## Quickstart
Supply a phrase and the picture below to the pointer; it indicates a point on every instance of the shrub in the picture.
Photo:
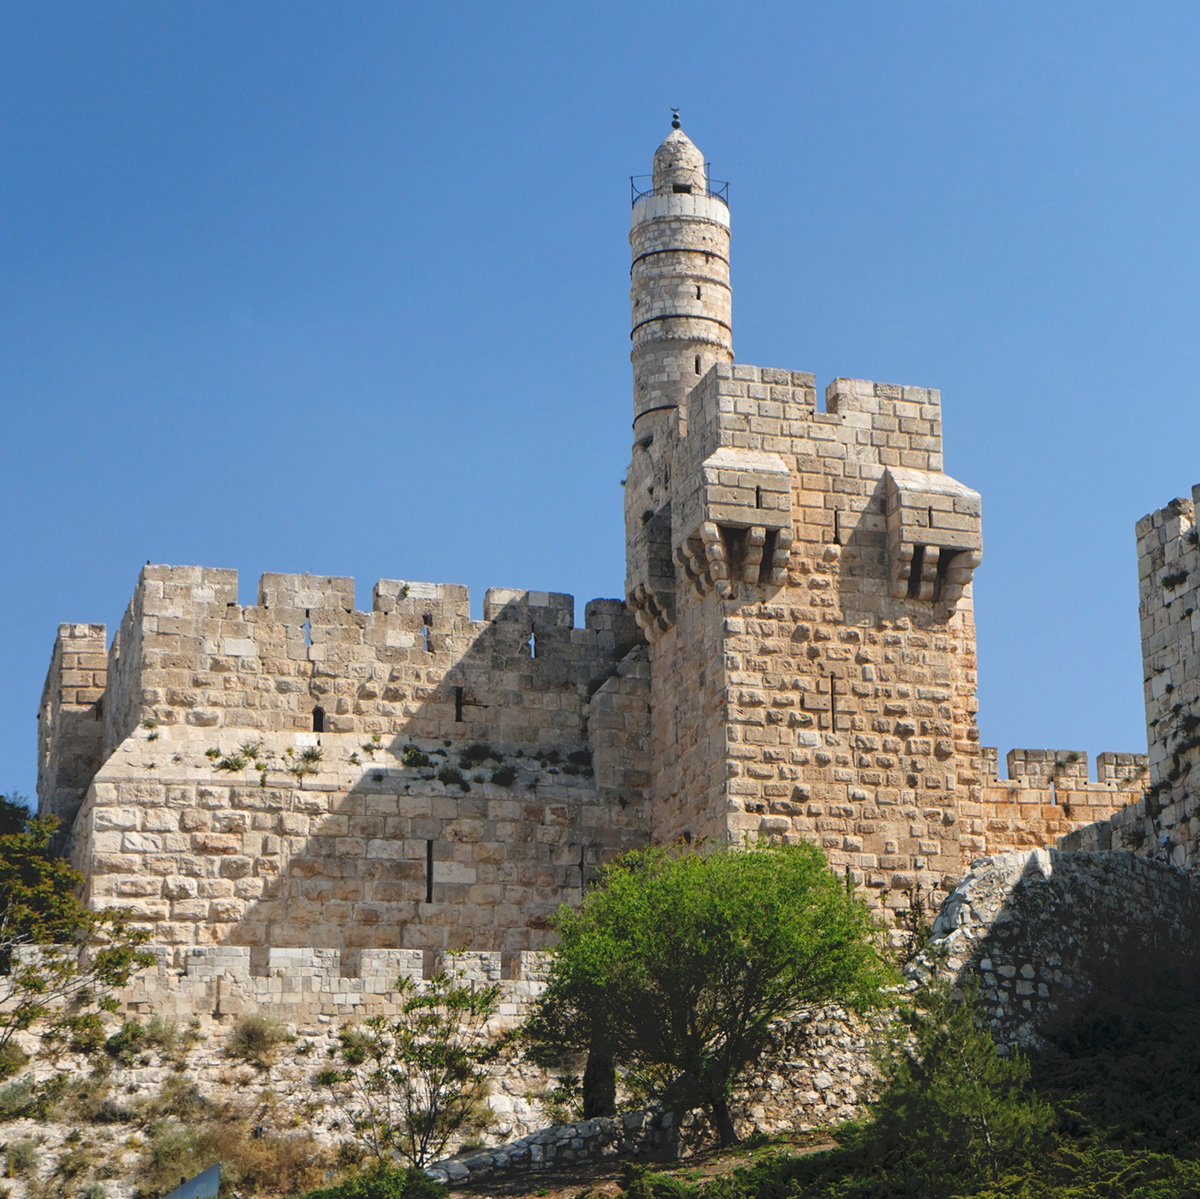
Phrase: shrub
(179, 1097)
(21, 1157)
(410, 755)
(477, 754)
(12, 1059)
(504, 776)
(453, 777)
(252, 1160)
(409, 1082)
(165, 1036)
(126, 1043)
(255, 1039)
(17, 1099)
(384, 1182)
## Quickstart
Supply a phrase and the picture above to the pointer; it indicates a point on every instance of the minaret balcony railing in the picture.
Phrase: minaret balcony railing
(716, 189)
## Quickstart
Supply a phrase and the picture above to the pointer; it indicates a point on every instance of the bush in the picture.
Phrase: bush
(477, 754)
(126, 1043)
(251, 1160)
(453, 777)
(12, 1059)
(21, 1157)
(409, 1082)
(256, 1038)
(179, 1097)
(384, 1182)
(504, 776)
(410, 755)
(17, 1099)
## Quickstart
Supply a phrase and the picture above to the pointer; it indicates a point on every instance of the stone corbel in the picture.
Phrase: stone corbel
(653, 617)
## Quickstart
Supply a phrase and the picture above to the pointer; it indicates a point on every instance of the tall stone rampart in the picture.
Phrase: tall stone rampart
(297, 772)
(71, 733)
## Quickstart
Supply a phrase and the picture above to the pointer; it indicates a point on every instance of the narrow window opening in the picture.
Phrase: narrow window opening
(945, 558)
(582, 875)
(768, 558)
(684, 189)
(429, 872)
(307, 629)
(758, 497)
(734, 541)
(697, 293)
(318, 719)
(833, 712)
(929, 510)
(533, 643)
(458, 703)
(425, 640)
(837, 527)
(697, 364)
(915, 570)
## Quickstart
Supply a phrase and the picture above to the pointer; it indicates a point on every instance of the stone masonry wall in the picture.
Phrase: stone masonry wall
(1043, 929)
(1048, 795)
(71, 719)
(1164, 823)
(815, 702)
(469, 777)
(816, 1070)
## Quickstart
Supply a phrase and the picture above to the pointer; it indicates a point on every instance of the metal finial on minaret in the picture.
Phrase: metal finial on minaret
(675, 119)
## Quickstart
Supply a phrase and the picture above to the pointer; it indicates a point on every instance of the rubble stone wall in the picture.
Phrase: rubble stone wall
(1042, 929)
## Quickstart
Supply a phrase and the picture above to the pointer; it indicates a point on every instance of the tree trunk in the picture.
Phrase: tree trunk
(724, 1122)
(599, 1085)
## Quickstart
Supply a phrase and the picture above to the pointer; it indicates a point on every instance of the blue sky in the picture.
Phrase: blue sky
(344, 288)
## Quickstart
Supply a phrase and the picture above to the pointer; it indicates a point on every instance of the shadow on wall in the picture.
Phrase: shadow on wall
(504, 788)
(1050, 934)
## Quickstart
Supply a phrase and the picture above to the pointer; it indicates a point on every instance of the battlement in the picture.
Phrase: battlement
(304, 659)
(307, 986)
(1048, 795)
(1063, 767)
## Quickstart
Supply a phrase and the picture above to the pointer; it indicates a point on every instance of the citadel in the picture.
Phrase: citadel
(298, 790)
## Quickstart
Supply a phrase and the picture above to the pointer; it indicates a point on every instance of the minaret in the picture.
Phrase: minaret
(680, 281)
(681, 327)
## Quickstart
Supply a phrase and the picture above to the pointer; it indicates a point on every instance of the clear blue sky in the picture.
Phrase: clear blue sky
(344, 288)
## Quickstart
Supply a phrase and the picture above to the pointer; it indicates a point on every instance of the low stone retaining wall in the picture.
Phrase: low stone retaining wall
(644, 1134)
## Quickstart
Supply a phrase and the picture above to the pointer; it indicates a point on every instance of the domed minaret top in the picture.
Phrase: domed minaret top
(679, 165)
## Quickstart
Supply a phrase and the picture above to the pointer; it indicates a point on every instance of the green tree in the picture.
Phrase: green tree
(677, 963)
(408, 1082)
(59, 960)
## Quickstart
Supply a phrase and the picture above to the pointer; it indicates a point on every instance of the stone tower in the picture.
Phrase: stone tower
(802, 575)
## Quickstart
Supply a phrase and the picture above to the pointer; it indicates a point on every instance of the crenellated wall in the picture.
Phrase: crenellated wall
(300, 773)
(1048, 795)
